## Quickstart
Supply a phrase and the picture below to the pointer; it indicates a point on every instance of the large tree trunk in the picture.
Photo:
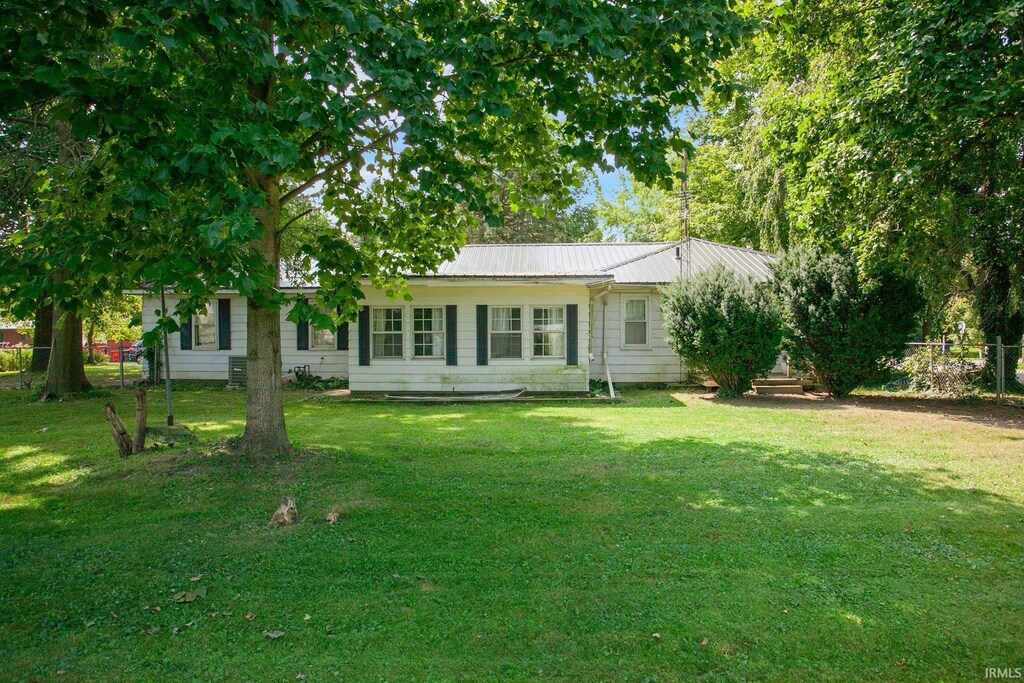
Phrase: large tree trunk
(42, 337)
(265, 434)
(66, 371)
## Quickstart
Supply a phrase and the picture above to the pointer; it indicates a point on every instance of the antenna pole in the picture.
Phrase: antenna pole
(684, 211)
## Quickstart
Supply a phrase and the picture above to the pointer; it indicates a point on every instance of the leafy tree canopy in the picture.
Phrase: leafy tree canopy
(212, 118)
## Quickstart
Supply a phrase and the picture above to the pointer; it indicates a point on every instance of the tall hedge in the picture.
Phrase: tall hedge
(842, 325)
(724, 326)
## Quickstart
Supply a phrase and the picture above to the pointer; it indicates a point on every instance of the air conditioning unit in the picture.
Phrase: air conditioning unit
(238, 367)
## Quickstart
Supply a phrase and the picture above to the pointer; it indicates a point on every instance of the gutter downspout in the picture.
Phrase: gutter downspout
(604, 338)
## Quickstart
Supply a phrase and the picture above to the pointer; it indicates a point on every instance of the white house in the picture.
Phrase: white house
(547, 317)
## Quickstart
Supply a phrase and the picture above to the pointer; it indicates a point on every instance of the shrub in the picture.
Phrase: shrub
(843, 327)
(96, 358)
(931, 372)
(9, 359)
(723, 326)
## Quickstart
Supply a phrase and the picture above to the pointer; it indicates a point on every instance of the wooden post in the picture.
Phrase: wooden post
(21, 378)
(140, 420)
(121, 436)
(120, 360)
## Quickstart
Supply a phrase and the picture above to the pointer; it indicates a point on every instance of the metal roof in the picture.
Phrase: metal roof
(626, 262)
(542, 260)
(662, 266)
(652, 263)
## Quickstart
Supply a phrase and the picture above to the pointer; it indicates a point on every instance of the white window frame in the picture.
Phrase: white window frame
(491, 332)
(374, 333)
(437, 334)
(212, 313)
(534, 331)
(313, 346)
(626, 298)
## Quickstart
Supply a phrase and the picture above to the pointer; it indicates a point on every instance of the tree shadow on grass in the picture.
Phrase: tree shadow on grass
(506, 541)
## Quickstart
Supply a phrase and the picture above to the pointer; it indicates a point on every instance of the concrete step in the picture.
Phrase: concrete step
(775, 389)
(778, 381)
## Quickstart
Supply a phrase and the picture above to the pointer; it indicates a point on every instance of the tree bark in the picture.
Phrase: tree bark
(121, 436)
(91, 342)
(42, 338)
(141, 414)
(65, 373)
(265, 435)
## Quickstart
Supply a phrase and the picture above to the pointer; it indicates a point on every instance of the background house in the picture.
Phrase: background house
(547, 317)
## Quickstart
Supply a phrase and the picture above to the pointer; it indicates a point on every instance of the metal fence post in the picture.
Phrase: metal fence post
(21, 378)
(931, 366)
(120, 360)
(1000, 379)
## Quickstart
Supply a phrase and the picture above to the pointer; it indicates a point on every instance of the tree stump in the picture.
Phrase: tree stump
(140, 421)
(121, 436)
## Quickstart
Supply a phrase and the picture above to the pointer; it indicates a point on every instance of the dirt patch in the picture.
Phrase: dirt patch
(984, 412)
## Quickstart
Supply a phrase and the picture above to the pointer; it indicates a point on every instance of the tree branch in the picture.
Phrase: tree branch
(317, 177)
(295, 218)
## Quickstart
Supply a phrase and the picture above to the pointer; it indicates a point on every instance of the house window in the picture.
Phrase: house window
(549, 332)
(506, 332)
(386, 332)
(204, 327)
(322, 338)
(427, 332)
(635, 322)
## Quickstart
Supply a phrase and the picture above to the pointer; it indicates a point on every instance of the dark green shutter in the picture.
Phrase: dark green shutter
(364, 336)
(302, 334)
(572, 335)
(186, 334)
(343, 337)
(451, 339)
(481, 335)
(224, 324)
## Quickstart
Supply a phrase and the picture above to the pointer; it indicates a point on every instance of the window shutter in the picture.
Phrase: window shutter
(342, 337)
(302, 334)
(451, 338)
(481, 334)
(186, 334)
(224, 324)
(364, 336)
(572, 335)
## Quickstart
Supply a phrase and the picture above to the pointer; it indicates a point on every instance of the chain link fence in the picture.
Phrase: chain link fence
(958, 368)
(19, 357)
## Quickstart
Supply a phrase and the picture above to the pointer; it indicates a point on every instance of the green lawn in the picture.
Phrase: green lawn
(99, 375)
(761, 539)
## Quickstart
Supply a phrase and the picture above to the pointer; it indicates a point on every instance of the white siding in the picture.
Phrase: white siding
(213, 364)
(420, 374)
(653, 363)
(209, 364)
(322, 362)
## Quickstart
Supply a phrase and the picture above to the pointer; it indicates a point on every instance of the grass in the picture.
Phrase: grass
(761, 539)
(99, 375)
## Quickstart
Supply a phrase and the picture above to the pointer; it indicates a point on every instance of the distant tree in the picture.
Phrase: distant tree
(724, 326)
(639, 212)
(116, 317)
(840, 325)
(27, 147)
(892, 128)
